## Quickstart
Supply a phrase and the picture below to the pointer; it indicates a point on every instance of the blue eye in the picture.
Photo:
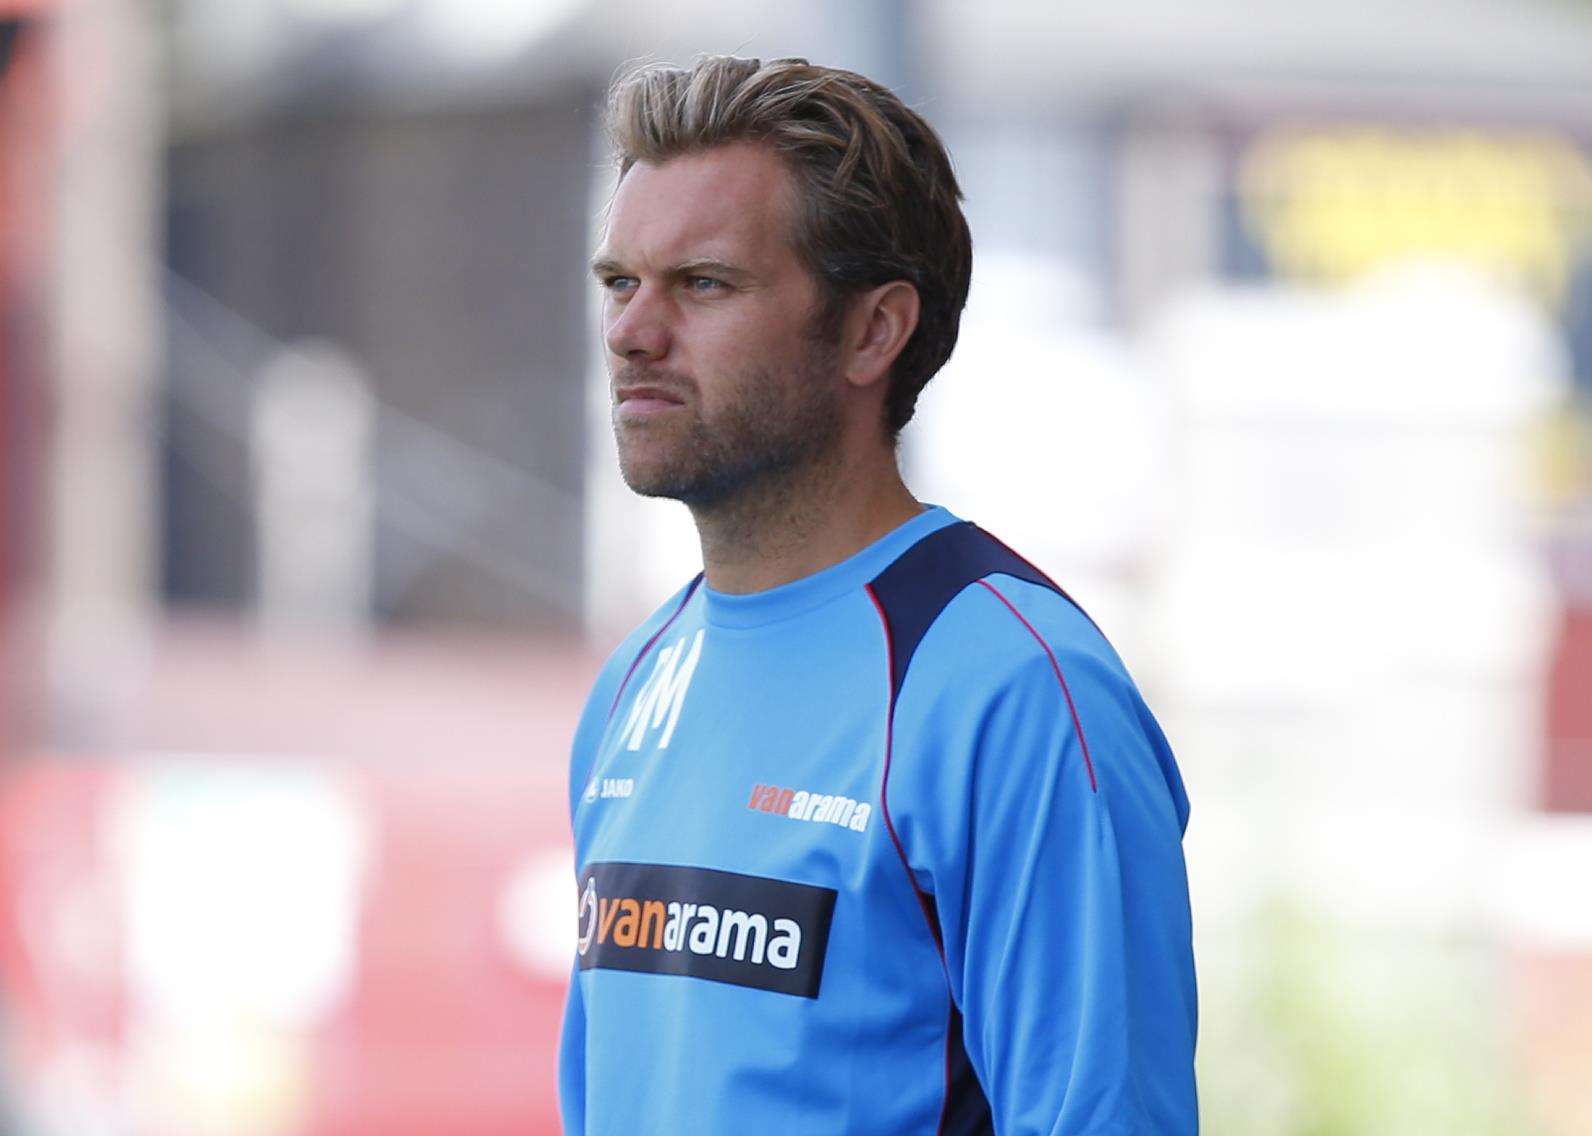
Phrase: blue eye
(704, 284)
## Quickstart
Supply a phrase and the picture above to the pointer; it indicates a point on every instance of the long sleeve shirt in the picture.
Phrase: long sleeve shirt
(892, 848)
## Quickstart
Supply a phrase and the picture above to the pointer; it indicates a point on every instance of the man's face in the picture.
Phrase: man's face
(717, 382)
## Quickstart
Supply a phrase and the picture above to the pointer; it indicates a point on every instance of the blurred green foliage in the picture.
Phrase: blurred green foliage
(1310, 1028)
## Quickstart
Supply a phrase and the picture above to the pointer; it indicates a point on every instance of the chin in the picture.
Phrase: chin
(650, 480)
(672, 485)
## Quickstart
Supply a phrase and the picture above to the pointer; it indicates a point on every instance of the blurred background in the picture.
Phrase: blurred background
(1278, 357)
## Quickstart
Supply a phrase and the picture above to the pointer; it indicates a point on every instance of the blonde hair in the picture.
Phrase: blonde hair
(879, 201)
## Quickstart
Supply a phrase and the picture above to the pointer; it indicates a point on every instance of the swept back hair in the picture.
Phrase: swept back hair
(878, 200)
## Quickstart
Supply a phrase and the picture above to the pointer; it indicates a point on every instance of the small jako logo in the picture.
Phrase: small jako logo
(606, 787)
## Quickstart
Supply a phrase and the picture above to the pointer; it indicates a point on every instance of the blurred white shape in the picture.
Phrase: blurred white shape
(536, 915)
(1541, 883)
(1380, 863)
(1351, 470)
(312, 427)
(1033, 294)
(486, 31)
(1425, 343)
(1349, 591)
(1044, 432)
(242, 887)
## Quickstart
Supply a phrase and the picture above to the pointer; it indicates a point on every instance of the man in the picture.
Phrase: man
(873, 832)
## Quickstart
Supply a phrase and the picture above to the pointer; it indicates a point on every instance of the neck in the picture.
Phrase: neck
(771, 534)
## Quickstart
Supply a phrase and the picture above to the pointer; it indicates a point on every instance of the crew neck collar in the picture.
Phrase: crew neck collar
(753, 609)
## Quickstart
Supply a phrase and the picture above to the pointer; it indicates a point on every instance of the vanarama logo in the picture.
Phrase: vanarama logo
(702, 923)
(819, 808)
(659, 702)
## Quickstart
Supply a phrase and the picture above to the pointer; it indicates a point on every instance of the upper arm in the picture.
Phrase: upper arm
(1037, 813)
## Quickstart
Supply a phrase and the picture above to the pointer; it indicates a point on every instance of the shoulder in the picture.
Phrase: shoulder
(1026, 677)
(1001, 638)
(962, 605)
(997, 673)
(1011, 672)
(1012, 630)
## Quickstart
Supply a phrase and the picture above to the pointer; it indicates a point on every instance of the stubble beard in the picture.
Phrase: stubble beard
(779, 431)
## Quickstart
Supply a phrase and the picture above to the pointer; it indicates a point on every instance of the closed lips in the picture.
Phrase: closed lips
(629, 393)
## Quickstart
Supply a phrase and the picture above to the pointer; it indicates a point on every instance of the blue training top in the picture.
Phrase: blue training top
(893, 848)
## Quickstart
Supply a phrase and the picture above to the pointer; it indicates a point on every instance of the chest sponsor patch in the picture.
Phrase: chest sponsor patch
(702, 923)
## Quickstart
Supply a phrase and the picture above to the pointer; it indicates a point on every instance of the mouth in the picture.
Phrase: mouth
(647, 396)
(641, 403)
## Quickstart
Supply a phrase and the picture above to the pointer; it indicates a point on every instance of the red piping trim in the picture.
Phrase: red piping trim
(647, 646)
(1021, 557)
(889, 824)
(1055, 666)
(1043, 576)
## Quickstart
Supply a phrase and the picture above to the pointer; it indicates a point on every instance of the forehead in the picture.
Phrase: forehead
(730, 202)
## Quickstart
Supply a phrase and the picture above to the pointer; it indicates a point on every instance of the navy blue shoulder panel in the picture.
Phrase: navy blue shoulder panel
(911, 594)
(917, 586)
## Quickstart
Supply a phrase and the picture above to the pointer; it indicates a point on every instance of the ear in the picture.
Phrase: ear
(878, 326)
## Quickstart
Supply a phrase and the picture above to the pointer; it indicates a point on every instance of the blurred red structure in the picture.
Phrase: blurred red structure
(445, 1022)
(1568, 775)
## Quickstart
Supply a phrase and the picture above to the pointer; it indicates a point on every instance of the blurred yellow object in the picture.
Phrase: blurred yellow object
(233, 1076)
(1561, 455)
(1328, 204)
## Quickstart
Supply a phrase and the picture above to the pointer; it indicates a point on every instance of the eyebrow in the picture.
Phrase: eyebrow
(697, 266)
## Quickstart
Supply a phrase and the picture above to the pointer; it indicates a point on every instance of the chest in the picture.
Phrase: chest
(760, 754)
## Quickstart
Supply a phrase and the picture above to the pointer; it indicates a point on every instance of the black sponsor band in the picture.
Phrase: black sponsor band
(724, 926)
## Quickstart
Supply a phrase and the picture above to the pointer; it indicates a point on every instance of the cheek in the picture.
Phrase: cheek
(753, 344)
(725, 352)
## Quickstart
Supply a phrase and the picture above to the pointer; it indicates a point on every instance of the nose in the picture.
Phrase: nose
(638, 328)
